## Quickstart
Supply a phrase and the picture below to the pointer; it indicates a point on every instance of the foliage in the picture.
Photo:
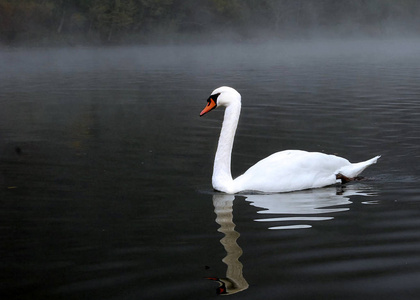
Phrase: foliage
(113, 21)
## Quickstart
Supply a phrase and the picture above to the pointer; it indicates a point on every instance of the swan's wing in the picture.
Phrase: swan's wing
(291, 170)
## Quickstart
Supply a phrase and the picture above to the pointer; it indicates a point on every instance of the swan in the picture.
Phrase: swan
(284, 171)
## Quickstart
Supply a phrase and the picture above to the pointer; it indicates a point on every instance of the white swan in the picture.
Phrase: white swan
(284, 171)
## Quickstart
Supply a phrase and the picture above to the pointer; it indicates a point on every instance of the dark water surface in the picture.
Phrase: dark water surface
(105, 172)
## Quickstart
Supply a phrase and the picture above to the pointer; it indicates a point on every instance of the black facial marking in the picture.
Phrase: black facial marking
(214, 97)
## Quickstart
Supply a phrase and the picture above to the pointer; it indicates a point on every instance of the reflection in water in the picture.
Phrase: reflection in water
(303, 203)
(234, 281)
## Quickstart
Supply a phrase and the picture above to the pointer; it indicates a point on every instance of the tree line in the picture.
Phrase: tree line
(142, 21)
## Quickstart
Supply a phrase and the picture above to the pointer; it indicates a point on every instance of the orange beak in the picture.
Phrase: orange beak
(211, 104)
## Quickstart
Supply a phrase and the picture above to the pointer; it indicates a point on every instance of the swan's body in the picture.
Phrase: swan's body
(284, 171)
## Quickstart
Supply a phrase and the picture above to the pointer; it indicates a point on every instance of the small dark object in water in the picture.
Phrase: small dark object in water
(18, 150)
(345, 179)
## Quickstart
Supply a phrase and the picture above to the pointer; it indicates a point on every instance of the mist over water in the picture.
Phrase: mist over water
(73, 22)
(105, 171)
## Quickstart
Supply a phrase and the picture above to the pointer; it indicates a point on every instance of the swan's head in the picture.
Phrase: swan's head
(222, 96)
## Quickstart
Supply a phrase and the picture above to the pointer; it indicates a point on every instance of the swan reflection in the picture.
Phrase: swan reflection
(234, 281)
(303, 205)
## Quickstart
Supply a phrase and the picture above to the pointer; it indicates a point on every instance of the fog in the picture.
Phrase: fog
(75, 23)
(23, 62)
(54, 36)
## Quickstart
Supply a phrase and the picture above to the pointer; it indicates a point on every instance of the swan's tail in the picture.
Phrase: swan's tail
(352, 170)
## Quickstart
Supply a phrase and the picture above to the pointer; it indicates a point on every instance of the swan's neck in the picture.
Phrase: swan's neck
(222, 176)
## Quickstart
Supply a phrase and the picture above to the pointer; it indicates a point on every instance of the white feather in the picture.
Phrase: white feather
(284, 171)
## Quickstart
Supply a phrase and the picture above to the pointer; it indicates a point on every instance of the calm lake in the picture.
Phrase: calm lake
(105, 172)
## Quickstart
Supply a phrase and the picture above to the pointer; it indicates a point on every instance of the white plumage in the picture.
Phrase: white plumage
(284, 171)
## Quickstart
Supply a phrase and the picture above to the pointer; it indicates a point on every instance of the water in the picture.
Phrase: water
(105, 172)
